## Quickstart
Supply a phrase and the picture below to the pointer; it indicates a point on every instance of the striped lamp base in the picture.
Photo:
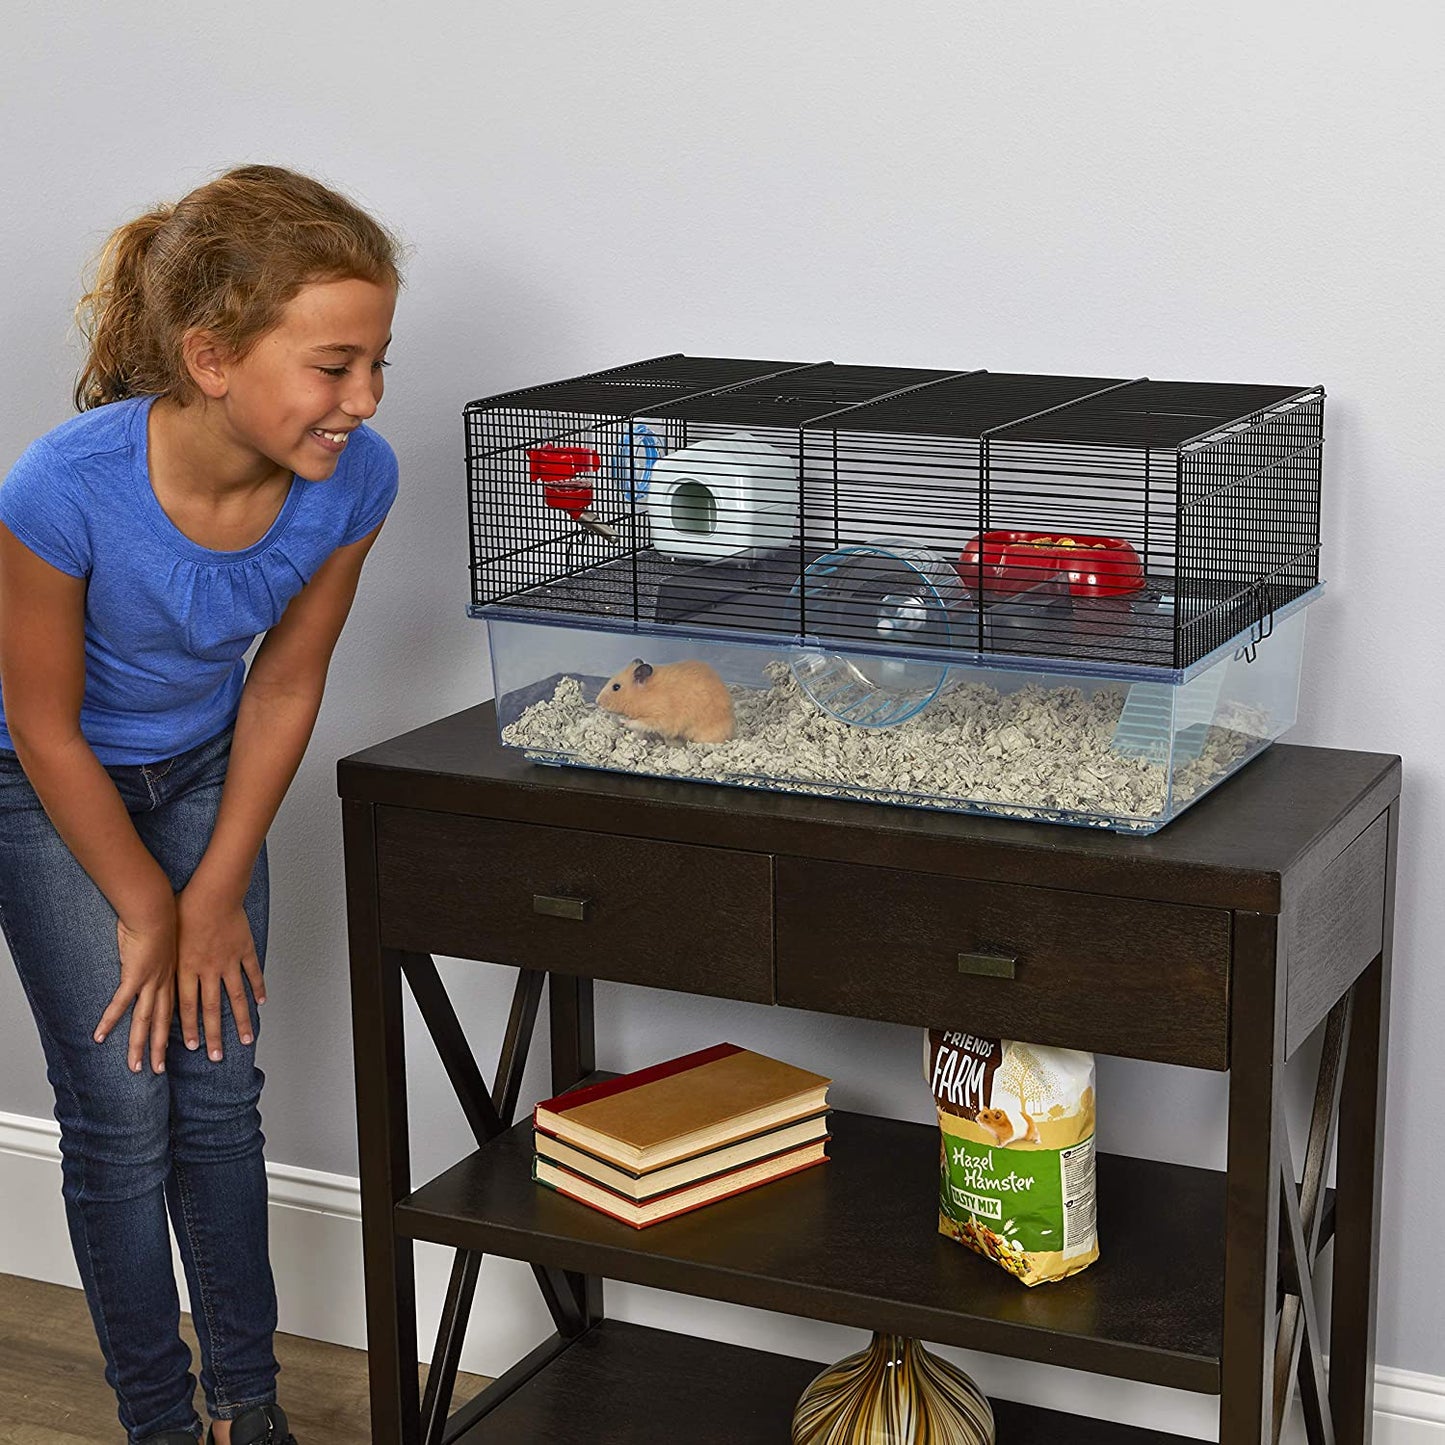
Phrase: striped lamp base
(892, 1393)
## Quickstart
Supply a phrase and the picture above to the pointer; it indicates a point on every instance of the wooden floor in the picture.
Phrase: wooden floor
(53, 1391)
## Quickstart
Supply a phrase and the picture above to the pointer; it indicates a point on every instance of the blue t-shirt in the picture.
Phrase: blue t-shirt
(168, 622)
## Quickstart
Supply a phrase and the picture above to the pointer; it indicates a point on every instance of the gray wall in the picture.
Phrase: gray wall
(1232, 191)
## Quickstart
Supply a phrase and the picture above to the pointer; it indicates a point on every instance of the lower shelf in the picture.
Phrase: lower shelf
(622, 1384)
(856, 1242)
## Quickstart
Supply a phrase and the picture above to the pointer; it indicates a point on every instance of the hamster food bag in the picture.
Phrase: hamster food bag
(1016, 1156)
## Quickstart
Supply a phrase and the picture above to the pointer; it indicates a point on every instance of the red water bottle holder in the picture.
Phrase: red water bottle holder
(565, 474)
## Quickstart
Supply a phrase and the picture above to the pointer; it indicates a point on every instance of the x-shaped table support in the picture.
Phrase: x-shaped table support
(488, 1113)
(1300, 1343)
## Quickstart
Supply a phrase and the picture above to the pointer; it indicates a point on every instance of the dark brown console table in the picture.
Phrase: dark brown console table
(1223, 942)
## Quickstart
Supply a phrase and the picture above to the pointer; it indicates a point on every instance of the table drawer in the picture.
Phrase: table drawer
(1113, 975)
(669, 915)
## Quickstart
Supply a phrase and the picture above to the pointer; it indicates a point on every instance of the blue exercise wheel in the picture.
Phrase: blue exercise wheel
(894, 596)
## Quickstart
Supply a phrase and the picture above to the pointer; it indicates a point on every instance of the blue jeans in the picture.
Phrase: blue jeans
(134, 1146)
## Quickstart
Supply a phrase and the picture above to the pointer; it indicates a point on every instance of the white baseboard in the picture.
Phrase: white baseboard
(316, 1255)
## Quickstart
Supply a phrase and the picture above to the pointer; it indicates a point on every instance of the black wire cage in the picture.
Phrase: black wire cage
(1095, 520)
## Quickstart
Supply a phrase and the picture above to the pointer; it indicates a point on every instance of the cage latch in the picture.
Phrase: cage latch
(1263, 624)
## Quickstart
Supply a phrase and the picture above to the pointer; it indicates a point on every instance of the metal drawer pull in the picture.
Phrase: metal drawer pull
(988, 965)
(573, 908)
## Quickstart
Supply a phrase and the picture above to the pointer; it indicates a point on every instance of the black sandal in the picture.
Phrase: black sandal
(260, 1425)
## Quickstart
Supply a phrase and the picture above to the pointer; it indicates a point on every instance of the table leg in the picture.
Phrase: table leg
(574, 1056)
(1251, 1248)
(1357, 1188)
(383, 1143)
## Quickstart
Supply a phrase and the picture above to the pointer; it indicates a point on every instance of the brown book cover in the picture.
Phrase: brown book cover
(685, 1106)
(679, 1201)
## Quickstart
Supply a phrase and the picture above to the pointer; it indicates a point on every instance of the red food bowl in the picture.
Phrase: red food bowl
(1011, 562)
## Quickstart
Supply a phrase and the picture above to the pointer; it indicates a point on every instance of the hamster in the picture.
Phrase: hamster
(1007, 1129)
(685, 700)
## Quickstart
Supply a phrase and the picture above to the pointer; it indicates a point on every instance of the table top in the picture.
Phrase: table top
(1270, 828)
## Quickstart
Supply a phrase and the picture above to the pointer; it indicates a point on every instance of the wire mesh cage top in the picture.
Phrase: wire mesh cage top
(1093, 519)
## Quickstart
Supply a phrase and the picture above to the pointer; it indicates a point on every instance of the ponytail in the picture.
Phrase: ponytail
(112, 316)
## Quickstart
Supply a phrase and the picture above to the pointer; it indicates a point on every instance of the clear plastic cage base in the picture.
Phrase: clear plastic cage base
(1121, 748)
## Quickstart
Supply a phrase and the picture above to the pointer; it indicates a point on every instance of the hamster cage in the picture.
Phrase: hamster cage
(1073, 599)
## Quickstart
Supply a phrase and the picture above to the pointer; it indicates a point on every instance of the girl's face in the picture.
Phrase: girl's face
(314, 377)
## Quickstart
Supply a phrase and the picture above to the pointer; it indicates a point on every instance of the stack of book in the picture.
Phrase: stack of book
(653, 1144)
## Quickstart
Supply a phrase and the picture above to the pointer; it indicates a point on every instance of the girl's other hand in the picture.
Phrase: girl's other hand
(147, 980)
(215, 952)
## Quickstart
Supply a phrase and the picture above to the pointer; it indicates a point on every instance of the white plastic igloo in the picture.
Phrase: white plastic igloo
(723, 496)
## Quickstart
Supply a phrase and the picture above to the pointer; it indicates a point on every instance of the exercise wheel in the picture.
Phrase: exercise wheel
(891, 594)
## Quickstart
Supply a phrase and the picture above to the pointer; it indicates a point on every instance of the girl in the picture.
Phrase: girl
(218, 484)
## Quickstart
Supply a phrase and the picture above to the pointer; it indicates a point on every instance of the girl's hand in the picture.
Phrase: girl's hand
(215, 952)
(147, 979)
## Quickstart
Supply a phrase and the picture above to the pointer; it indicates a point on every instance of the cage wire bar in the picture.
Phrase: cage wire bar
(793, 500)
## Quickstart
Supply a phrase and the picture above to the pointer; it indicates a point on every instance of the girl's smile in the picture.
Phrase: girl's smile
(332, 441)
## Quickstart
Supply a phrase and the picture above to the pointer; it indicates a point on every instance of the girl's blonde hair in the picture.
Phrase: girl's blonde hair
(227, 258)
